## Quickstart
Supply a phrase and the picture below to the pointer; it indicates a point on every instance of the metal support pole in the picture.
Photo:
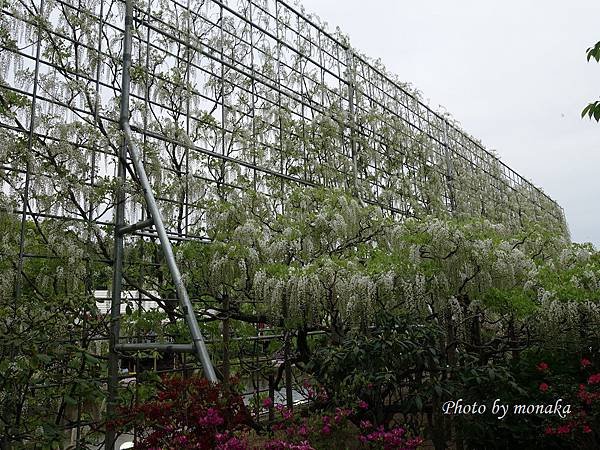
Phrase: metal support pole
(287, 348)
(449, 169)
(130, 146)
(352, 119)
(115, 306)
(30, 138)
(188, 310)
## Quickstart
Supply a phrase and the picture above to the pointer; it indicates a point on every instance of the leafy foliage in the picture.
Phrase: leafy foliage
(361, 367)
(592, 110)
(50, 364)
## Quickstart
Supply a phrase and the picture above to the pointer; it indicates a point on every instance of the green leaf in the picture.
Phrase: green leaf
(419, 403)
(70, 400)
(594, 52)
(90, 359)
(592, 111)
(586, 110)
(45, 359)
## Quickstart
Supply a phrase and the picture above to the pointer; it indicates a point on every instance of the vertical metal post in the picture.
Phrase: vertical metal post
(253, 94)
(188, 69)
(5, 441)
(89, 281)
(352, 121)
(272, 397)
(286, 334)
(115, 305)
(32, 120)
(303, 101)
(279, 107)
(129, 146)
(223, 175)
(225, 297)
(449, 169)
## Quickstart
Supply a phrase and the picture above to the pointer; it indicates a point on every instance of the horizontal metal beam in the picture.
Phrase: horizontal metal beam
(136, 226)
(158, 346)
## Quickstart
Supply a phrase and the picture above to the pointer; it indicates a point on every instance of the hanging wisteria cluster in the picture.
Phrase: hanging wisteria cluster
(330, 261)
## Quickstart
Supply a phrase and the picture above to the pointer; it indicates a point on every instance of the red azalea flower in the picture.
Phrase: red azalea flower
(594, 379)
(542, 366)
(544, 387)
(585, 363)
(587, 429)
(549, 430)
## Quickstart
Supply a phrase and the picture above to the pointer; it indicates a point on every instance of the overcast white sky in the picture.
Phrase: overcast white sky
(512, 72)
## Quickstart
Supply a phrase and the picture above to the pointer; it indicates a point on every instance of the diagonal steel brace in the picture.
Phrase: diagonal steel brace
(188, 311)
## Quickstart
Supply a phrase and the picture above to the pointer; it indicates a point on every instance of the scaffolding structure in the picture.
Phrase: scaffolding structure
(224, 96)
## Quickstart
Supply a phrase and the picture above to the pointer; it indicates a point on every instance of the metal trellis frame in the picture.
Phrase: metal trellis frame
(215, 97)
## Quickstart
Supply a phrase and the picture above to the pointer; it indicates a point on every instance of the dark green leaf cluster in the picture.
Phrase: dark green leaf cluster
(592, 110)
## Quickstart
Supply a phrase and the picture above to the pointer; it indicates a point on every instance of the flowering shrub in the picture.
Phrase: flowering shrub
(191, 413)
(581, 428)
(340, 427)
(392, 439)
(188, 413)
(334, 429)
